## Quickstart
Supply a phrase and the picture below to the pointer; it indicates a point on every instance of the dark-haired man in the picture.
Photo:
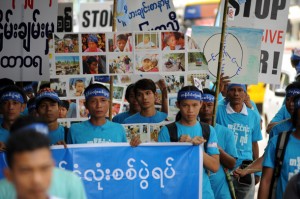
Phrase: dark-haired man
(98, 129)
(145, 93)
(13, 103)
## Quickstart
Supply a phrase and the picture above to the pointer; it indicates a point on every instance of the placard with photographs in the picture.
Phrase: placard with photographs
(76, 60)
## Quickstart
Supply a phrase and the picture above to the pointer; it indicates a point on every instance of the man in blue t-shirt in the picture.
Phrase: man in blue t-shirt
(47, 106)
(145, 93)
(290, 162)
(98, 129)
(13, 103)
(245, 124)
(227, 150)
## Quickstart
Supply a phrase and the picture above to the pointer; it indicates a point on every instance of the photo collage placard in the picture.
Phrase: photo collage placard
(76, 60)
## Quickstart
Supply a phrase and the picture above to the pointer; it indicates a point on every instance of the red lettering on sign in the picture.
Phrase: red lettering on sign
(272, 36)
(28, 3)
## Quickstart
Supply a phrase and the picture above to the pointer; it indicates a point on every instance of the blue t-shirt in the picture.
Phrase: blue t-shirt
(282, 114)
(218, 180)
(119, 118)
(86, 132)
(138, 118)
(4, 134)
(57, 135)
(212, 148)
(246, 129)
(290, 164)
(282, 126)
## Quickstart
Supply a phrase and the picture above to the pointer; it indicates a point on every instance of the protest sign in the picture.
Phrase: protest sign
(142, 172)
(272, 17)
(241, 52)
(128, 56)
(96, 17)
(146, 15)
(65, 17)
(23, 40)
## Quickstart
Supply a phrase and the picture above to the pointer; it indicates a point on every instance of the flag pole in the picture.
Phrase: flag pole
(220, 60)
(111, 78)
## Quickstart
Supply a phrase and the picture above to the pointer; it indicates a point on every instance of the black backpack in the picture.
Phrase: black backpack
(281, 144)
(172, 128)
(66, 129)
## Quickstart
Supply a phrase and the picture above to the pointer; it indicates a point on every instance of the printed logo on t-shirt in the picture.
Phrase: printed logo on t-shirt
(237, 129)
(294, 162)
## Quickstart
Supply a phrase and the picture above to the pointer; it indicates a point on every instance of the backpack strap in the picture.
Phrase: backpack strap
(66, 131)
(172, 128)
(205, 133)
(281, 144)
(298, 184)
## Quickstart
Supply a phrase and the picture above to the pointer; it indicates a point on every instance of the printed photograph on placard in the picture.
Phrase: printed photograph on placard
(146, 41)
(120, 42)
(172, 41)
(125, 107)
(59, 85)
(120, 64)
(173, 62)
(116, 109)
(191, 44)
(67, 109)
(83, 111)
(173, 110)
(154, 131)
(197, 61)
(147, 62)
(67, 65)
(77, 85)
(125, 79)
(64, 123)
(66, 43)
(94, 64)
(174, 83)
(118, 92)
(93, 42)
(136, 130)
(200, 80)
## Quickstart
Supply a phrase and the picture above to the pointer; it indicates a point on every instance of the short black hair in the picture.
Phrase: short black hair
(91, 59)
(295, 114)
(145, 84)
(25, 142)
(79, 81)
(5, 82)
(25, 121)
(121, 37)
(65, 103)
(293, 85)
(95, 85)
(129, 88)
(14, 88)
(208, 91)
(45, 85)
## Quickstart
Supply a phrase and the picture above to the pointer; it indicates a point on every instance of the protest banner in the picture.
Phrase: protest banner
(65, 17)
(25, 26)
(146, 15)
(241, 52)
(272, 17)
(95, 17)
(141, 172)
(128, 56)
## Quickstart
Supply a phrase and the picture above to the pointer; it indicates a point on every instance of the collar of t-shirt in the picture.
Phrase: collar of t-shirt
(230, 110)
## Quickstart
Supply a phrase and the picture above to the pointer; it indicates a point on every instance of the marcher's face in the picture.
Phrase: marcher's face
(145, 98)
(92, 46)
(189, 109)
(133, 102)
(62, 112)
(93, 67)
(31, 173)
(97, 106)
(121, 44)
(236, 95)
(289, 103)
(206, 111)
(49, 110)
(12, 109)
